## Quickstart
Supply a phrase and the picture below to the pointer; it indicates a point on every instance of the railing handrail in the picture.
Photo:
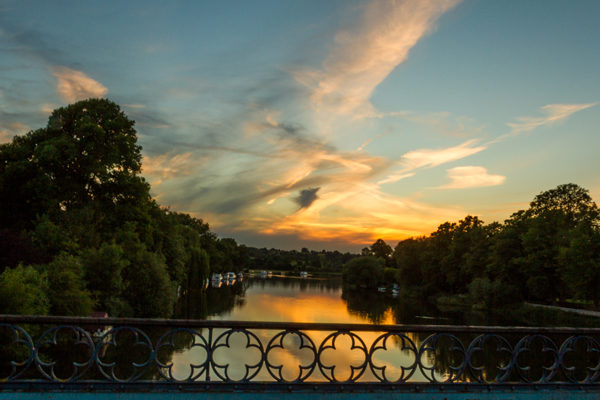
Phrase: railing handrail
(310, 326)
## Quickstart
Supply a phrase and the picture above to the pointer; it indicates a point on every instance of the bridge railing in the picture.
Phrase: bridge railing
(48, 350)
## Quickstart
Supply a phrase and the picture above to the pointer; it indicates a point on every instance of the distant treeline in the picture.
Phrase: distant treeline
(548, 253)
(296, 261)
(79, 230)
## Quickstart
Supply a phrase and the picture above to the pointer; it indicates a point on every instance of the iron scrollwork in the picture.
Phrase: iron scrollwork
(62, 350)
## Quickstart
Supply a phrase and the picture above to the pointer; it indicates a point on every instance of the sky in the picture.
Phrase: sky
(325, 124)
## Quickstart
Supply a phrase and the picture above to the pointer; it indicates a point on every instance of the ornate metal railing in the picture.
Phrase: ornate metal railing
(100, 351)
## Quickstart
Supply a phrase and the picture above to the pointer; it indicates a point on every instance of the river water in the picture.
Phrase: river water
(293, 299)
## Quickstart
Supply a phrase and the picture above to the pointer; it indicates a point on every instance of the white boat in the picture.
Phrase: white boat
(303, 274)
(381, 289)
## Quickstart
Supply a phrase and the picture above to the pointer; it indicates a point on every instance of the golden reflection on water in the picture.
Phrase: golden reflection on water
(300, 301)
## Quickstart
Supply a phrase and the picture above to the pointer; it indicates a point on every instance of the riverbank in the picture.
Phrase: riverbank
(579, 311)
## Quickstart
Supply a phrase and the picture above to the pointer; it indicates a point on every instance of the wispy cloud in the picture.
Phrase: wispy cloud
(429, 158)
(434, 157)
(75, 85)
(364, 56)
(553, 114)
(471, 177)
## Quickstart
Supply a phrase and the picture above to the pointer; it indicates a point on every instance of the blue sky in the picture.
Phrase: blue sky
(325, 124)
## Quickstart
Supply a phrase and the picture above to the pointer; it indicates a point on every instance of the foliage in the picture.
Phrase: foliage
(75, 204)
(296, 261)
(24, 290)
(103, 269)
(548, 253)
(66, 287)
(365, 272)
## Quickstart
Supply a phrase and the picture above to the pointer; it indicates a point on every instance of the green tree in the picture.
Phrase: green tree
(66, 287)
(198, 268)
(580, 263)
(103, 269)
(365, 271)
(381, 249)
(24, 291)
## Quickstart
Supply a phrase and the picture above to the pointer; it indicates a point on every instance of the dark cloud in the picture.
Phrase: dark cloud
(32, 44)
(307, 197)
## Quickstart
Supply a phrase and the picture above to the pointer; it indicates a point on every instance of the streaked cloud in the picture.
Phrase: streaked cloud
(396, 177)
(75, 85)
(434, 157)
(429, 158)
(471, 177)
(364, 56)
(553, 114)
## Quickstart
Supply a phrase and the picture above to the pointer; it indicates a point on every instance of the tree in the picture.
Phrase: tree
(580, 263)
(66, 287)
(366, 271)
(103, 269)
(87, 153)
(198, 269)
(24, 291)
(381, 249)
(570, 200)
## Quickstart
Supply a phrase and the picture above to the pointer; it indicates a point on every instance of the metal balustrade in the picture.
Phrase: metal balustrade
(36, 350)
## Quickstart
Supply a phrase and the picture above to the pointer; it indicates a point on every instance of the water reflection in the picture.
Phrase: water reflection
(344, 356)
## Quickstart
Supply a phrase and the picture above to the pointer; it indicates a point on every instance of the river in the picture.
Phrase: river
(294, 299)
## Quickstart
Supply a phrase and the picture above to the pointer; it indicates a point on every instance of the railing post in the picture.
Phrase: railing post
(209, 353)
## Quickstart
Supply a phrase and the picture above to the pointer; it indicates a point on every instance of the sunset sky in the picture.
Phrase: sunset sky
(325, 124)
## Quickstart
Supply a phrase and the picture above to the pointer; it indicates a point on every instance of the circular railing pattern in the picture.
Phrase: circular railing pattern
(122, 354)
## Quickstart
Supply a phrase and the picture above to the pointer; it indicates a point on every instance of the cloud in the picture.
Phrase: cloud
(169, 165)
(75, 85)
(471, 177)
(363, 57)
(359, 216)
(395, 177)
(307, 197)
(8, 131)
(429, 158)
(554, 113)
(434, 157)
(31, 44)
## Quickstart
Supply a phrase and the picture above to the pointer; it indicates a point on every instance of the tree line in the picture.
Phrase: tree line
(548, 253)
(295, 261)
(79, 230)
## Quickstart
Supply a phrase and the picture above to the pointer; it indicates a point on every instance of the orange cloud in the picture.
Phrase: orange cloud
(166, 166)
(8, 131)
(75, 85)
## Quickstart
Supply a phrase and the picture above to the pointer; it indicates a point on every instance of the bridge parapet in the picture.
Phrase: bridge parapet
(183, 355)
